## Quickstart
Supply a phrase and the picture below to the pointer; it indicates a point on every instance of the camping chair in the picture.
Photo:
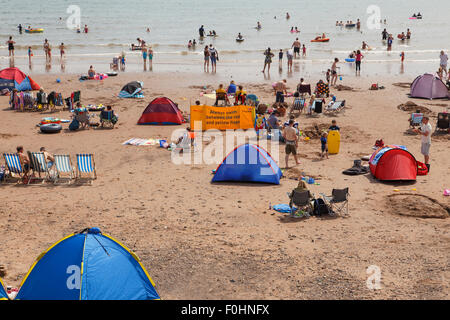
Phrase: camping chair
(336, 106)
(86, 165)
(39, 165)
(252, 100)
(416, 119)
(106, 118)
(302, 199)
(13, 166)
(222, 96)
(63, 167)
(338, 201)
(443, 121)
(74, 98)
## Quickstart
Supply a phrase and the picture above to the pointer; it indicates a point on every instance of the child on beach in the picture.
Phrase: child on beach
(323, 141)
(30, 54)
(304, 51)
(402, 56)
(280, 57)
(328, 75)
(61, 50)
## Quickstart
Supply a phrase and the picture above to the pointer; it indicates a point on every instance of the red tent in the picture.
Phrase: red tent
(161, 111)
(393, 163)
(13, 78)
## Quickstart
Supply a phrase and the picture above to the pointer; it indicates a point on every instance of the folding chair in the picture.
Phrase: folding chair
(338, 201)
(13, 166)
(416, 119)
(298, 105)
(86, 165)
(302, 199)
(335, 106)
(221, 96)
(39, 165)
(64, 168)
(106, 118)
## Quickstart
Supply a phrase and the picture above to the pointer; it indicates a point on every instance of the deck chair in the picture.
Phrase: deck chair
(298, 105)
(115, 64)
(14, 167)
(338, 201)
(335, 106)
(86, 167)
(39, 166)
(301, 199)
(106, 118)
(443, 121)
(64, 168)
(416, 119)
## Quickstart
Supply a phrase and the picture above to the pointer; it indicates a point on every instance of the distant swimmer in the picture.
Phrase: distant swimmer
(86, 30)
(408, 34)
(258, 25)
(287, 15)
(190, 44)
(296, 30)
(358, 24)
(364, 45)
(384, 34)
(148, 29)
(20, 28)
(240, 36)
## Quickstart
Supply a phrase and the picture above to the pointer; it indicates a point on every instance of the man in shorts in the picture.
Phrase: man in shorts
(214, 56)
(296, 46)
(443, 63)
(290, 135)
(280, 90)
(425, 132)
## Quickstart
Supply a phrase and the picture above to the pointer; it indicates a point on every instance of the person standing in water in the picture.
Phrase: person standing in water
(268, 59)
(201, 32)
(296, 46)
(144, 55)
(334, 72)
(304, 51)
(288, 16)
(389, 43)
(358, 59)
(150, 58)
(10, 44)
(206, 59)
(62, 50)
(46, 47)
(384, 34)
(20, 28)
(86, 30)
(358, 25)
(214, 56)
(30, 54)
(280, 58)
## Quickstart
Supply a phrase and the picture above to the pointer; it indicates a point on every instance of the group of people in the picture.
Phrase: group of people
(236, 91)
(25, 161)
(210, 54)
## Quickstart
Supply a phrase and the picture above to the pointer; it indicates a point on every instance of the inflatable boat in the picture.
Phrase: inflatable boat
(239, 40)
(350, 25)
(321, 40)
(37, 30)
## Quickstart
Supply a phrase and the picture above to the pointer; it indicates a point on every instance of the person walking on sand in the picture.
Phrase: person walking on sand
(10, 44)
(206, 59)
(443, 61)
(358, 59)
(425, 133)
(291, 138)
(334, 72)
(268, 59)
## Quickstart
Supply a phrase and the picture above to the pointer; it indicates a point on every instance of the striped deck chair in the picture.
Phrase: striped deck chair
(335, 106)
(86, 166)
(64, 168)
(13, 166)
(39, 165)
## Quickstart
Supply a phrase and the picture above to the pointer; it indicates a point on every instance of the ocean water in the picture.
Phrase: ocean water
(114, 25)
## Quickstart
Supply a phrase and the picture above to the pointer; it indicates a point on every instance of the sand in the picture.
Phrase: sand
(220, 241)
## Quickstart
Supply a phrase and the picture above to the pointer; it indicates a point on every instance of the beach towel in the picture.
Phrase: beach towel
(284, 208)
(141, 142)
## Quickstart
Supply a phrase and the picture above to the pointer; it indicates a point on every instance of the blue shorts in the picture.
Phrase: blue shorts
(213, 59)
(144, 55)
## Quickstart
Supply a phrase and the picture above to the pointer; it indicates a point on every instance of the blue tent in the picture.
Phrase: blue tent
(132, 90)
(3, 294)
(248, 163)
(88, 265)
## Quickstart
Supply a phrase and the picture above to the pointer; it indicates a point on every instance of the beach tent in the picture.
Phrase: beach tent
(161, 111)
(248, 163)
(13, 78)
(88, 265)
(428, 86)
(132, 90)
(3, 294)
(393, 163)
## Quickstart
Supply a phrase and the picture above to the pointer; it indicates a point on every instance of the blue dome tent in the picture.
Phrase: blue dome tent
(248, 163)
(3, 294)
(88, 265)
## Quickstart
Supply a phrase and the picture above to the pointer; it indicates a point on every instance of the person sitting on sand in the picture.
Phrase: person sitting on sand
(240, 96)
(91, 72)
(272, 121)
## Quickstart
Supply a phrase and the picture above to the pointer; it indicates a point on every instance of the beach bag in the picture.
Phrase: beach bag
(74, 125)
(320, 207)
(422, 169)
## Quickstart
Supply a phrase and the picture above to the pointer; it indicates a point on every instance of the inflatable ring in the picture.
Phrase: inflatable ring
(51, 128)
(350, 59)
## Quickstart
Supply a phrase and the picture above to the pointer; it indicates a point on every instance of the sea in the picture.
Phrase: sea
(115, 24)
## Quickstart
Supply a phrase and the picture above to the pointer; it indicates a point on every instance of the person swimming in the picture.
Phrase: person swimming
(239, 36)
(258, 25)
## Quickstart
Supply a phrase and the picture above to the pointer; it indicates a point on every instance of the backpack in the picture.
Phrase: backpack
(320, 207)
(74, 125)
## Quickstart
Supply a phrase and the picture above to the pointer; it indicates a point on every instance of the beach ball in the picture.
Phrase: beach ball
(58, 80)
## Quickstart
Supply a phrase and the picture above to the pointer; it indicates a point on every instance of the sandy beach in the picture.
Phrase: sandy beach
(221, 241)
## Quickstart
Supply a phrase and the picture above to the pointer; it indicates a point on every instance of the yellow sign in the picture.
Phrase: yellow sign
(223, 118)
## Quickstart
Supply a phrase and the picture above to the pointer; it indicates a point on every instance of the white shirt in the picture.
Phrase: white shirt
(426, 128)
(444, 59)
